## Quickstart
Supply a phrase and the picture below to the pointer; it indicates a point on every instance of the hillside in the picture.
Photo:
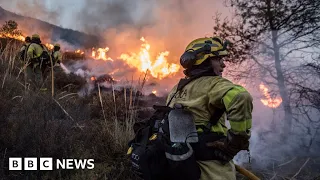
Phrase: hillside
(49, 31)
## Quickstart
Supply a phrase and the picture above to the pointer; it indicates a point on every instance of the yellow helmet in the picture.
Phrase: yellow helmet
(201, 49)
(57, 45)
(36, 36)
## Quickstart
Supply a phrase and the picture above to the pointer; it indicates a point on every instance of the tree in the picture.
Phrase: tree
(277, 35)
(307, 100)
(10, 29)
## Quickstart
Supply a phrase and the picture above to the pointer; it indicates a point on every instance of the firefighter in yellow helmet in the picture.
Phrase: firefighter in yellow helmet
(37, 60)
(211, 99)
(56, 54)
(56, 57)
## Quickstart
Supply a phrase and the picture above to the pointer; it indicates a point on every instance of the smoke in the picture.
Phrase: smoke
(96, 16)
(170, 23)
(122, 73)
(31, 8)
(167, 25)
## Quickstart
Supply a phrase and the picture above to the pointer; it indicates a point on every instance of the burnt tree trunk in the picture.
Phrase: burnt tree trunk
(281, 84)
(278, 67)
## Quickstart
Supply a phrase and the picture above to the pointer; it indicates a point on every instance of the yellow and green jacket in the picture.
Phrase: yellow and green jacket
(207, 94)
(57, 57)
(35, 50)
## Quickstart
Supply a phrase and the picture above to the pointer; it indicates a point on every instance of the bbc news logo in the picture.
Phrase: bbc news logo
(47, 164)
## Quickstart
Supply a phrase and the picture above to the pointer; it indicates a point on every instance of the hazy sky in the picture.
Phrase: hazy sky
(93, 15)
(59, 12)
(166, 24)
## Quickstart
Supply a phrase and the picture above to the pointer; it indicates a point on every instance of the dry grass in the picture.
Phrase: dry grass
(97, 126)
(33, 124)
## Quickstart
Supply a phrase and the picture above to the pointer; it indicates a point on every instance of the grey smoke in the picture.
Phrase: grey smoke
(96, 16)
(170, 24)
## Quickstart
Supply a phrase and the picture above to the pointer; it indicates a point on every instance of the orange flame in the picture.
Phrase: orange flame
(268, 101)
(93, 78)
(49, 46)
(79, 51)
(159, 68)
(101, 54)
(93, 53)
(18, 37)
(22, 38)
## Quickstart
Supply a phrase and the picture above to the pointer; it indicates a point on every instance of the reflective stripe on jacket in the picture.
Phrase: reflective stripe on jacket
(205, 95)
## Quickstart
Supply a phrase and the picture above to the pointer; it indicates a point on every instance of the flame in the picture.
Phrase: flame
(93, 78)
(49, 46)
(159, 68)
(101, 54)
(93, 53)
(18, 37)
(22, 38)
(79, 51)
(268, 101)
(154, 92)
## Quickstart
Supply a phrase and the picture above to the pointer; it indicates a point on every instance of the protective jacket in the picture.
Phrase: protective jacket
(35, 50)
(57, 57)
(38, 55)
(206, 96)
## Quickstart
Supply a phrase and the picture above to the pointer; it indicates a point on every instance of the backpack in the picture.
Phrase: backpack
(153, 156)
(44, 58)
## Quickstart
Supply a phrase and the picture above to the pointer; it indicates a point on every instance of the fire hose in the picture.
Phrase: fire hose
(246, 173)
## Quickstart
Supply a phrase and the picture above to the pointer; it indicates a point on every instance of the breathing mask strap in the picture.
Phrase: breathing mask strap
(183, 82)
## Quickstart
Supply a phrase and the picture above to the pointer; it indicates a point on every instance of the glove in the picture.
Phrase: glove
(230, 147)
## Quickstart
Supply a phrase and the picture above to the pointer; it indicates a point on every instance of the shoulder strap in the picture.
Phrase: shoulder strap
(43, 47)
(27, 46)
(183, 82)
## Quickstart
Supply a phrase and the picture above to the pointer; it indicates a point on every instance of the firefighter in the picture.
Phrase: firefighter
(56, 55)
(208, 97)
(37, 60)
(22, 51)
